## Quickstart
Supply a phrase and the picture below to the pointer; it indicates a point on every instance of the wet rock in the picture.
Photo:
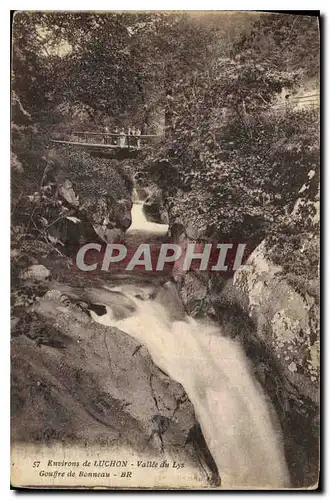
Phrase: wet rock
(122, 214)
(67, 193)
(178, 233)
(141, 193)
(98, 386)
(284, 319)
(37, 272)
(279, 329)
(154, 209)
(142, 293)
(117, 303)
(194, 293)
(168, 296)
(72, 231)
(109, 235)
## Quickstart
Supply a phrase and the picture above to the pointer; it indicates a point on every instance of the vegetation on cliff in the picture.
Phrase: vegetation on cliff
(235, 158)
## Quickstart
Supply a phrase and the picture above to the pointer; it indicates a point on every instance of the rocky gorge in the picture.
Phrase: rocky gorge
(116, 144)
(108, 371)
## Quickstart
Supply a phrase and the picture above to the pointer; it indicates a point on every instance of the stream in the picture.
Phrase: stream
(236, 418)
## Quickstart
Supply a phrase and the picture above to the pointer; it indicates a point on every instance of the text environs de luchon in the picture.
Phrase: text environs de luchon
(114, 463)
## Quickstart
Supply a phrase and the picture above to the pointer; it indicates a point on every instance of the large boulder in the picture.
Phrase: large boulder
(66, 191)
(286, 320)
(90, 218)
(107, 213)
(194, 294)
(122, 213)
(80, 383)
(36, 272)
(109, 234)
(141, 193)
(154, 209)
(96, 192)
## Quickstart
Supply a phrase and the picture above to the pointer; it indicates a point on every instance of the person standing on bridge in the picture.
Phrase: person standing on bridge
(105, 137)
(133, 133)
(138, 140)
(122, 138)
(115, 138)
(129, 134)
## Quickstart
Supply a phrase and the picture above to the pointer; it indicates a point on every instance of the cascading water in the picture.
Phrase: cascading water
(140, 223)
(236, 419)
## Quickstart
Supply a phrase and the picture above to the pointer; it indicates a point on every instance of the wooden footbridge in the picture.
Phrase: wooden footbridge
(109, 144)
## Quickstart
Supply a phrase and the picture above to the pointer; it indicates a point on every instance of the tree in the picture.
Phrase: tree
(239, 161)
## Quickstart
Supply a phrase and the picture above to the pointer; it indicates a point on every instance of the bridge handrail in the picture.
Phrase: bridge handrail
(91, 144)
(115, 135)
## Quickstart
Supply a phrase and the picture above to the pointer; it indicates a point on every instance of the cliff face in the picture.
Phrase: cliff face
(272, 304)
(281, 335)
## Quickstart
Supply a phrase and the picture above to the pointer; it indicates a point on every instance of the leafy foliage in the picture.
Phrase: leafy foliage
(232, 162)
(289, 42)
(229, 161)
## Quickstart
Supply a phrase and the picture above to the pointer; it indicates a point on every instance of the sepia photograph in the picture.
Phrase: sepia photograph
(165, 250)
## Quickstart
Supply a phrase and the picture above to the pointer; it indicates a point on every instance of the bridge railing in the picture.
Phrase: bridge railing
(113, 139)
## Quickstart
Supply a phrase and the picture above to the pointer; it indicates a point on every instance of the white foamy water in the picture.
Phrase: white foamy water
(140, 223)
(236, 419)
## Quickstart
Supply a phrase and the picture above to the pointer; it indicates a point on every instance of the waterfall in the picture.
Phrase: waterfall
(140, 223)
(236, 418)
